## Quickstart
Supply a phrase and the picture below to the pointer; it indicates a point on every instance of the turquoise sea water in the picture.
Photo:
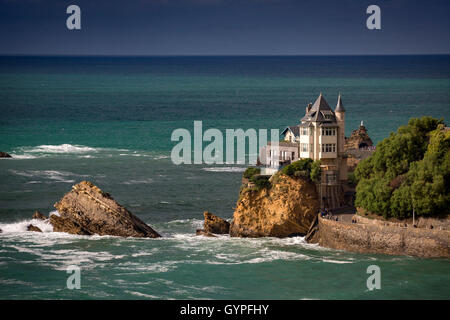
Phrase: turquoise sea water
(109, 120)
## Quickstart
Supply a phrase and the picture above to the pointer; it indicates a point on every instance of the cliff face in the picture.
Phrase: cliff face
(287, 208)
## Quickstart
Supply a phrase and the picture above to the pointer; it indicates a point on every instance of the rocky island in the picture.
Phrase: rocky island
(87, 210)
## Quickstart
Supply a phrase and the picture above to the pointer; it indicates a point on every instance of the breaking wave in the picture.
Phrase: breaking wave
(224, 169)
(21, 226)
(48, 175)
(80, 151)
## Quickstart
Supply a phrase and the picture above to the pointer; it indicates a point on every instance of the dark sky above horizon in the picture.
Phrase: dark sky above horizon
(224, 27)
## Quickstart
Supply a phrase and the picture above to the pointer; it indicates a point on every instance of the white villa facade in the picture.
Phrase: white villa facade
(320, 135)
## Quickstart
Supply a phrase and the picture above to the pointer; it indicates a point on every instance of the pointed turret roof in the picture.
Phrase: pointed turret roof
(339, 105)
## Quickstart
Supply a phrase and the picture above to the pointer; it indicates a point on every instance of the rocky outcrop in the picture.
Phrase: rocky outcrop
(359, 139)
(201, 232)
(31, 227)
(214, 224)
(287, 208)
(312, 236)
(39, 216)
(4, 155)
(87, 210)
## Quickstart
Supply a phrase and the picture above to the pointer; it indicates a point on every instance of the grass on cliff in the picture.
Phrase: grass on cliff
(306, 168)
(409, 169)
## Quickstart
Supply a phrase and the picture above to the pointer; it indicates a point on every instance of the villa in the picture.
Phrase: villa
(320, 135)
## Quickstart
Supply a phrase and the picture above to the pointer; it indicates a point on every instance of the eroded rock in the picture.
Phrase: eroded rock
(31, 227)
(87, 210)
(39, 216)
(214, 224)
(201, 232)
(287, 208)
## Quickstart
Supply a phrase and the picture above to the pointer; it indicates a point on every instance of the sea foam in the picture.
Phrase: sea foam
(21, 226)
(63, 148)
(225, 169)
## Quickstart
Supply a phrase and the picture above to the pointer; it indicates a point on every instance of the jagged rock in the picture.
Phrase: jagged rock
(287, 208)
(39, 216)
(5, 155)
(312, 236)
(67, 225)
(359, 139)
(201, 232)
(30, 227)
(88, 210)
(214, 224)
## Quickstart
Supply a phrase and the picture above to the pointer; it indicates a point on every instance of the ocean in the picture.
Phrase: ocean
(109, 120)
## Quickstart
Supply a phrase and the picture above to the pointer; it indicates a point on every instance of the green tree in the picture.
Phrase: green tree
(409, 169)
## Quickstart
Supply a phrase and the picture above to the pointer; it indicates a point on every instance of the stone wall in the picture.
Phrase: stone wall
(375, 237)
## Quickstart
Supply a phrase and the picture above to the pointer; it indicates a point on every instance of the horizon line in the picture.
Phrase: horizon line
(218, 55)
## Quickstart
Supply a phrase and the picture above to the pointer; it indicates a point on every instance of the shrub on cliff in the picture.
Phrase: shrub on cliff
(409, 169)
(253, 175)
(250, 172)
(304, 167)
(261, 182)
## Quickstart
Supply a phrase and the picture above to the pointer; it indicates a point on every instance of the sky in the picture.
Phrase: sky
(224, 27)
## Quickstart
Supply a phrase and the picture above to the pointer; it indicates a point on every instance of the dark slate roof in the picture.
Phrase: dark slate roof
(320, 105)
(294, 129)
(339, 106)
(320, 112)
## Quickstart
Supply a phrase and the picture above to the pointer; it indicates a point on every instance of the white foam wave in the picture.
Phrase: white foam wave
(142, 181)
(62, 148)
(33, 152)
(54, 212)
(61, 259)
(86, 157)
(22, 156)
(336, 261)
(140, 294)
(161, 157)
(53, 175)
(224, 169)
(21, 226)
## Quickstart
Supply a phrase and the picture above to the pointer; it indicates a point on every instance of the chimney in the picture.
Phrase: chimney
(308, 107)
